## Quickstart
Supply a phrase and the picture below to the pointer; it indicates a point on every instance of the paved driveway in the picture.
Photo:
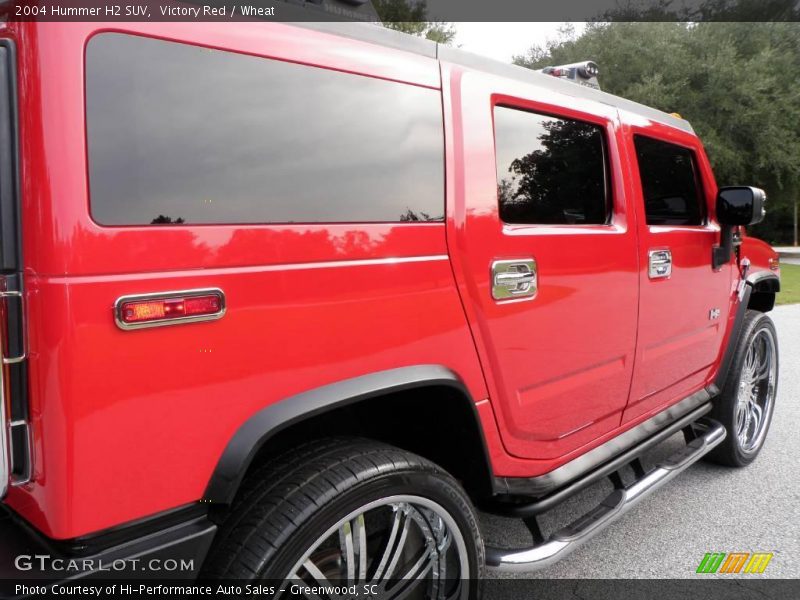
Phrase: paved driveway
(706, 509)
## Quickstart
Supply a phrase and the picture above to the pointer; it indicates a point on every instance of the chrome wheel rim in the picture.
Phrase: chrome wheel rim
(756, 392)
(400, 547)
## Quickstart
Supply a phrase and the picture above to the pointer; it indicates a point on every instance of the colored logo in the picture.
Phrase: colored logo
(734, 562)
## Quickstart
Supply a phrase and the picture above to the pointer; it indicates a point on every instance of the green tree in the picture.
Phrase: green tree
(735, 82)
(409, 16)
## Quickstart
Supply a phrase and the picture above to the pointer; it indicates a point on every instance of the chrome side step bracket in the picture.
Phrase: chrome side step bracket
(709, 434)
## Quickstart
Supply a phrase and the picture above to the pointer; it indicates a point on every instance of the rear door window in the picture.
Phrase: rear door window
(184, 134)
(550, 171)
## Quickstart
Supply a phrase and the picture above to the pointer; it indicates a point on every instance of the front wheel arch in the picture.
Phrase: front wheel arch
(764, 287)
(727, 405)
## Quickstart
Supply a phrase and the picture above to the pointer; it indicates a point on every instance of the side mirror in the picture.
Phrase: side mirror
(740, 205)
(736, 206)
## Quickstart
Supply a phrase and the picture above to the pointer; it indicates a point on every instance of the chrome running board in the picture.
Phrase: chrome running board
(709, 434)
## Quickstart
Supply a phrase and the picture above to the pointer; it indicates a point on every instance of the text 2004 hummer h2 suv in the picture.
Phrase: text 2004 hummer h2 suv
(291, 301)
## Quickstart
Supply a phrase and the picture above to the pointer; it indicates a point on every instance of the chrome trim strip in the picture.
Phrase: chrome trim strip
(5, 453)
(5, 466)
(223, 271)
(541, 484)
(362, 262)
(166, 295)
(615, 505)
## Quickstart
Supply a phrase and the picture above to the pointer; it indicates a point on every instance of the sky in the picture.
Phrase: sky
(503, 41)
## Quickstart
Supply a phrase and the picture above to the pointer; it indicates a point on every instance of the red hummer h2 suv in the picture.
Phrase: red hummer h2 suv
(287, 302)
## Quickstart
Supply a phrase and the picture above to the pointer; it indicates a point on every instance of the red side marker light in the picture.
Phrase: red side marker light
(150, 310)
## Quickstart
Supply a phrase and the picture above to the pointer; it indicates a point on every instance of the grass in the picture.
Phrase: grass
(790, 284)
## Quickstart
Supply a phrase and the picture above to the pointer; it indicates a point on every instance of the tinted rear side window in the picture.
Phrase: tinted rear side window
(669, 182)
(183, 134)
(550, 171)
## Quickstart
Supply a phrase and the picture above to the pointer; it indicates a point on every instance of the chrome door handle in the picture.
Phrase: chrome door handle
(512, 279)
(659, 263)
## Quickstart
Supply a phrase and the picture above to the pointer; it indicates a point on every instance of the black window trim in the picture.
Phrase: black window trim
(608, 176)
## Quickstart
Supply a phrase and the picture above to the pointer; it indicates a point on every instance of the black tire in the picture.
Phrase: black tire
(733, 451)
(285, 506)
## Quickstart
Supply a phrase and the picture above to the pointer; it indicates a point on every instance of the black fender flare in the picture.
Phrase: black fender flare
(757, 279)
(764, 279)
(267, 422)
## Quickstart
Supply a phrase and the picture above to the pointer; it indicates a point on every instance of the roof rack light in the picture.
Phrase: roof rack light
(583, 73)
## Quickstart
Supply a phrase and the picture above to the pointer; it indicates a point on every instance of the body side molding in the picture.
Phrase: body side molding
(269, 421)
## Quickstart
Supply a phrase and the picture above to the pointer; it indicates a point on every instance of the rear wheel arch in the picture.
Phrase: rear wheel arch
(425, 409)
(352, 511)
